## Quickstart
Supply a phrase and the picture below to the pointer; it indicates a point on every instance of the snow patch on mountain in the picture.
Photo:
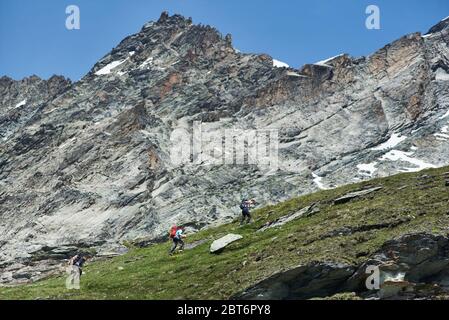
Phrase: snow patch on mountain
(445, 115)
(367, 168)
(441, 75)
(318, 181)
(324, 62)
(108, 68)
(146, 63)
(21, 103)
(394, 140)
(295, 74)
(441, 136)
(397, 155)
(280, 64)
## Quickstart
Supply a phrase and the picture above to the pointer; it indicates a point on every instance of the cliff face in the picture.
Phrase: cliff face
(22, 100)
(90, 162)
(378, 239)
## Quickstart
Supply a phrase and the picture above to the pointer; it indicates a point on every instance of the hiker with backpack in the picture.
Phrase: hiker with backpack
(177, 234)
(75, 271)
(245, 206)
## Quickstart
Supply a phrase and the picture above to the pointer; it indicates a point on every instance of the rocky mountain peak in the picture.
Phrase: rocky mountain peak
(176, 19)
(175, 37)
(440, 26)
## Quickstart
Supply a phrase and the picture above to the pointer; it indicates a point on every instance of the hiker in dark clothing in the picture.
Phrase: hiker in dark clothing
(245, 206)
(177, 234)
(75, 271)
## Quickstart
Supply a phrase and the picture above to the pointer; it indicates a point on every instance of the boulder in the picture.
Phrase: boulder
(218, 245)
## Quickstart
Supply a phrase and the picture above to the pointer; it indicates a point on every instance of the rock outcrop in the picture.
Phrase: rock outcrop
(91, 162)
(356, 194)
(304, 212)
(413, 266)
(304, 282)
(412, 259)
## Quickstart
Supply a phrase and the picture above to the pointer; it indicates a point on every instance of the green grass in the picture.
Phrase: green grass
(410, 203)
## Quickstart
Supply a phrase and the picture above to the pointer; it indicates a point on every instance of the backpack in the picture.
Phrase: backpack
(173, 231)
(244, 205)
(245, 208)
(78, 260)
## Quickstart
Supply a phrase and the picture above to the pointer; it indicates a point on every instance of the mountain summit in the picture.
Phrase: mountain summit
(88, 164)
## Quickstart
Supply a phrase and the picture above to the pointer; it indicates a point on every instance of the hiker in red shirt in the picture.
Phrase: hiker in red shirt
(177, 234)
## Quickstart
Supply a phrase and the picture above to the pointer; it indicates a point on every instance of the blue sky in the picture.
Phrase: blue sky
(34, 39)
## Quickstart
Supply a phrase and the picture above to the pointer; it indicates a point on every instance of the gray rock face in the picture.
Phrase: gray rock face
(414, 258)
(410, 267)
(218, 245)
(91, 161)
(303, 282)
(21, 101)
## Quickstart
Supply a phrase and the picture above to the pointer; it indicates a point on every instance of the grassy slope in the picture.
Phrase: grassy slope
(196, 274)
